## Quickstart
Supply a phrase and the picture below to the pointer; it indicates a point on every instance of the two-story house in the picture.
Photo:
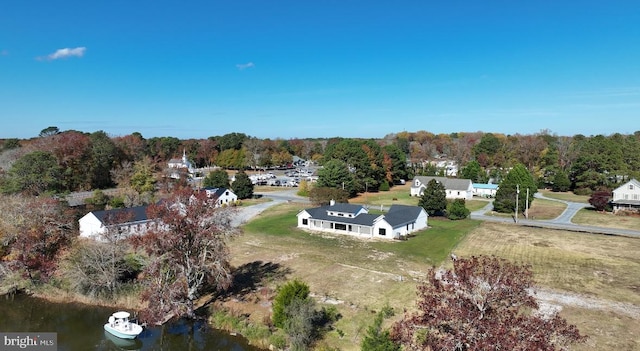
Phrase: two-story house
(626, 197)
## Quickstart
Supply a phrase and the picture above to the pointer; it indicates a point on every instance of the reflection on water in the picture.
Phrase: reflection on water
(80, 327)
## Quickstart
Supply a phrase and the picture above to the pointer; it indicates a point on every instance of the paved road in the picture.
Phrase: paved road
(276, 197)
(561, 222)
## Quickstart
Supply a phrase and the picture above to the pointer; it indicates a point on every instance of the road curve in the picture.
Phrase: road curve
(562, 222)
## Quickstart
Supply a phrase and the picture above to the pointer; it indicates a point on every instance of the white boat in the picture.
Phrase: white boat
(119, 325)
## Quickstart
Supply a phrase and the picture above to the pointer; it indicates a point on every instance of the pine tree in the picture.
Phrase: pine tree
(242, 186)
(518, 179)
(217, 179)
(457, 210)
(434, 198)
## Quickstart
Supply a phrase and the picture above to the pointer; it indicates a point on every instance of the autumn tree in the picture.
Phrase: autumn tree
(434, 198)
(40, 228)
(483, 303)
(600, 200)
(143, 180)
(189, 254)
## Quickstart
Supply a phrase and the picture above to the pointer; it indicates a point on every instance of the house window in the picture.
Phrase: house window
(340, 214)
(305, 221)
(382, 231)
(630, 186)
(340, 226)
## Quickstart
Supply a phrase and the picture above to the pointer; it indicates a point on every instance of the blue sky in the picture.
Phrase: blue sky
(299, 69)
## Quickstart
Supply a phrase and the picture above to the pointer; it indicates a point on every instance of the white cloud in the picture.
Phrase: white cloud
(243, 66)
(64, 53)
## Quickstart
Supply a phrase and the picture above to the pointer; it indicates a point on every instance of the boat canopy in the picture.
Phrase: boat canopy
(121, 315)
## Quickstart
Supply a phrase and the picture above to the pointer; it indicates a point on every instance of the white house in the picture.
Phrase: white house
(626, 196)
(131, 221)
(355, 220)
(221, 196)
(454, 188)
(485, 190)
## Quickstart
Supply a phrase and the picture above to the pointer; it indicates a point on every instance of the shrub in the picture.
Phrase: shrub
(457, 210)
(285, 296)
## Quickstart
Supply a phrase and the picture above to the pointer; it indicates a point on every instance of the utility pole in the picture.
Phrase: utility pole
(526, 209)
(517, 196)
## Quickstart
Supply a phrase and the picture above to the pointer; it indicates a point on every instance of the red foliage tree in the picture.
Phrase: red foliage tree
(600, 200)
(44, 229)
(188, 248)
(482, 304)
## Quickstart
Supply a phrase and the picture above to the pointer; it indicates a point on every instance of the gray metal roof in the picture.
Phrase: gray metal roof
(322, 213)
(449, 183)
(397, 214)
(401, 214)
(132, 214)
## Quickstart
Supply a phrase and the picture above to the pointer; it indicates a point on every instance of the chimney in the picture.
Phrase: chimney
(332, 202)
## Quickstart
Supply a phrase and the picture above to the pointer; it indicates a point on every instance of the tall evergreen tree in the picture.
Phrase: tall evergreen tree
(217, 179)
(336, 174)
(242, 186)
(434, 198)
(518, 179)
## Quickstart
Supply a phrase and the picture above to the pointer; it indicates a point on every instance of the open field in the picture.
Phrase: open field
(595, 267)
(565, 196)
(546, 209)
(588, 216)
(359, 277)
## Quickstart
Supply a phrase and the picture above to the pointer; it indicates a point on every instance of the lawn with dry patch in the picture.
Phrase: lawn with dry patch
(543, 209)
(589, 216)
(360, 276)
(597, 267)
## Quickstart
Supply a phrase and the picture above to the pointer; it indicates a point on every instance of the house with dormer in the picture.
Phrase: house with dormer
(626, 197)
(455, 188)
(355, 220)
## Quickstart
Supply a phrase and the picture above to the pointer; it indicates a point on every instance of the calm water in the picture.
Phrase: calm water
(80, 327)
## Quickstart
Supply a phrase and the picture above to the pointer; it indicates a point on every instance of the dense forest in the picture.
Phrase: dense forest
(66, 161)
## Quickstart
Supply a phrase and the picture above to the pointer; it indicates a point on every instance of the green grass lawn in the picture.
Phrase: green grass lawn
(433, 245)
